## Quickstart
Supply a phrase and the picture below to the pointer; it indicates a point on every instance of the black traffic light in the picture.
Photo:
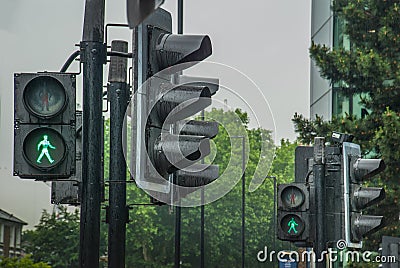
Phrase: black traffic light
(357, 197)
(293, 212)
(166, 143)
(44, 125)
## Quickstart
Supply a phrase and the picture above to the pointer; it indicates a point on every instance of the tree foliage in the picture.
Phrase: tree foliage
(55, 240)
(24, 262)
(150, 232)
(369, 68)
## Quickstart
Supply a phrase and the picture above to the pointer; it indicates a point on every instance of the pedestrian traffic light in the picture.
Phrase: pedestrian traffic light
(293, 212)
(44, 125)
(167, 143)
(356, 197)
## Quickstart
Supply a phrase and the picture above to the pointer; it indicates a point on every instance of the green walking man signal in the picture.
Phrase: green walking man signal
(292, 224)
(45, 143)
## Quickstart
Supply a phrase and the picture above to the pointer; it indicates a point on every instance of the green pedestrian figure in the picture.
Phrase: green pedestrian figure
(45, 144)
(292, 224)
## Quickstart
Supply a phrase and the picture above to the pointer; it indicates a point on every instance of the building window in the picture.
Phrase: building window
(12, 236)
(344, 104)
(341, 103)
(340, 38)
(1, 233)
(18, 237)
(348, 104)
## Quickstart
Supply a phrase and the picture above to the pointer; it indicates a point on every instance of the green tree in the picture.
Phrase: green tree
(55, 240)
(24, 262)
(223, 217)
(370, 69)
(150, 232)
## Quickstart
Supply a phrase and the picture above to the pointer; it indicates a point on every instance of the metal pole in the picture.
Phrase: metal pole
(117, 211)
(319, 178)
(177, 237)
(180, 16)
(202, 219)
(202, 229)
(93, 56)
(275, 208)
(243, 202)
(178, 212)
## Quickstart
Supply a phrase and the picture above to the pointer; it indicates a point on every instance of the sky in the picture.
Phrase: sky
(267, 41)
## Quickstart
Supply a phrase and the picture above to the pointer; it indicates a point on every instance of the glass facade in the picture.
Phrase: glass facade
(348, 105)
(344, 104)
(328, 100)
(321, 33)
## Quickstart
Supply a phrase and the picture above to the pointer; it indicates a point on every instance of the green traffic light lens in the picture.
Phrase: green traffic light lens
(44, 148)
(45, 97)
(292, 225)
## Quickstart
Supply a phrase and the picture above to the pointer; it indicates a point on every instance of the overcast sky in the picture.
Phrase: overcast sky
(266, 40)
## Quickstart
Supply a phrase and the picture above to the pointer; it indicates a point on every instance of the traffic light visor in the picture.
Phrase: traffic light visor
(367, 168)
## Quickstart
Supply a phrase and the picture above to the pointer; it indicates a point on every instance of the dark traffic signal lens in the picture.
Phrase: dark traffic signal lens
(45, 97)
(292, 197)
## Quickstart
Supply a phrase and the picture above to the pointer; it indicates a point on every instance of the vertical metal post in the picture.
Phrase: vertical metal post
(243, 202)
(275, 209)
(93, 56)
(202, 219)
(202, 231)
(243, 198)
(180, 16)
(178, 237)
(319, 178)
(178, 212)
(118, 96)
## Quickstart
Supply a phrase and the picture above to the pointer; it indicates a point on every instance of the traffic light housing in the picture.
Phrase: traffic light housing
(293, 212)
(44, 125)
(68, 191)
(168, 145)
(138, 10)
(356, 197)
(390, 257)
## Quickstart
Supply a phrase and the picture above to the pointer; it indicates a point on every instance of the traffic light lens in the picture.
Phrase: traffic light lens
(292, 197)
(44, 96)
(44, 148)
(292, 225)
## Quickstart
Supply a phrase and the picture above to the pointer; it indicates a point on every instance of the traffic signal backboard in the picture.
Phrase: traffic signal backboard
(44, 125)
(293, 212)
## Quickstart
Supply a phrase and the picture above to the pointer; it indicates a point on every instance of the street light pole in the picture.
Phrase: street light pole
(178, 211)
(243, 201)
(243, 198)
